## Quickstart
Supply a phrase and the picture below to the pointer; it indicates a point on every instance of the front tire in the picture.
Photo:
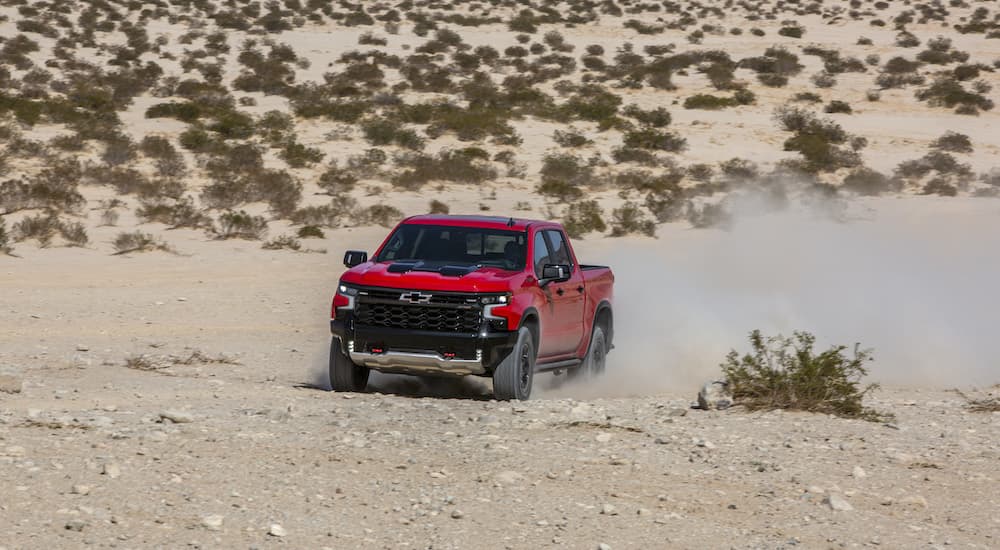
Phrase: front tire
(344, 374)
(513, 378)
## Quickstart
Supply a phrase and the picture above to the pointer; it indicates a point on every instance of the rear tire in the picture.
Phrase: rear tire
(513, 378)
(597, 354)
(344, 374)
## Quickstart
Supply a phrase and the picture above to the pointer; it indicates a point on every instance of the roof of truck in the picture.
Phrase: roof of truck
(485, 222)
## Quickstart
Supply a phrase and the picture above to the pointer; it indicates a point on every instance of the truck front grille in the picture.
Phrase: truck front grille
(441, 313)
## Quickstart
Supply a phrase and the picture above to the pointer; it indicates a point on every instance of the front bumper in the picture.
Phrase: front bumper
(420, 352)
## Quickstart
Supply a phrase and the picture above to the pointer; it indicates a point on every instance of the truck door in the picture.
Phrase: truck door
(567, 298)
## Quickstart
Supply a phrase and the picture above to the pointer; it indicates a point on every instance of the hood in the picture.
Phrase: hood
(394, 275)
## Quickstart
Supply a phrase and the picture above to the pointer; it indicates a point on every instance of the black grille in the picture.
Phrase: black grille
(441, 313)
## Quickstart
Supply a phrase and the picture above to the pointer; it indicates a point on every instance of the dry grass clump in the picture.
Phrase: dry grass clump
(630, 219)
(137, 241)
(468, 165)
(174, 213)
(584, 217)
(45, 227)
(786, 373)
(4, 238)
(437, 207)
(284, 242)
(239, 225)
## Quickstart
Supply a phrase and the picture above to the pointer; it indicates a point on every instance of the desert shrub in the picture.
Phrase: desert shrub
(824, 80)
(389, 132)
(157, 147)
(560, 190)
(570, 139)
(469, 165)
(819, 141)
(632, 154)
(873, 95)
(865, 181)
(4, 238)
(298, 155)
(310, 232)
(656, 118)
(44, 227)
(737, 169)
(584, 217)
(239, 225)
(907, 39)
(807, 97)
(709, 215)
(653, 139)
(837, 106)
(181, 213)
(336, 180)
(629, 219)
(792, 30)
(934, 161)
(378, 214)
(945, 91)
(863, 41)
(283, 242)
(567, 168)
(953, 142)
(939, 186)
(438, 207)
(786, 373)
(137, 241)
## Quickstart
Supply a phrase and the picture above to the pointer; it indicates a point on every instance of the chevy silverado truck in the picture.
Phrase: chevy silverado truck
(471, 296)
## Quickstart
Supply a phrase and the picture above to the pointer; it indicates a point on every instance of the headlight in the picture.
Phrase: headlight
(495, 299)
(344, 299)
(347, 290)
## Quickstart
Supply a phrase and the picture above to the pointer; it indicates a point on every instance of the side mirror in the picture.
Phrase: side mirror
(554, 273)
(355, 257)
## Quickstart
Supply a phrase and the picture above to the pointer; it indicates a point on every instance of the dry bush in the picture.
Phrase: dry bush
(174, 213)
(239, 225)
(4, 238)
(137, 241)
(785, 373)
(468, 165)
(45, 227)
(629, 219)
(946, 91)
(953, 142)
(438, 207)
(868, 182)
(284, 242)
(310, 232)
(378, 214)
(584, 217)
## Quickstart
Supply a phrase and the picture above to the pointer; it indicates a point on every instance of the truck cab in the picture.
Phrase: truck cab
(470, 296)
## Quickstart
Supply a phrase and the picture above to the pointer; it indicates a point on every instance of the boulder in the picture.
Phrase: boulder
(715, 395)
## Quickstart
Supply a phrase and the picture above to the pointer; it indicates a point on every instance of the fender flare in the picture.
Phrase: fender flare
(604, 308)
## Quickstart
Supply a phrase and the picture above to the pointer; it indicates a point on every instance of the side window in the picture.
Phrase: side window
(540, 256)
(560, 253)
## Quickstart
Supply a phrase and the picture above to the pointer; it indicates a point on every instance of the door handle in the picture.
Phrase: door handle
(560, 292)
(580, 289)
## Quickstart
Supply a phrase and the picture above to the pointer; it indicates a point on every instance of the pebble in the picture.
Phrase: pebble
(603, 437)
(603, 546)
(75, 525)
(508, 477)
(609, 510)
(82, 347)
(212, 522)
(81, 489)
(838, 503)
(859, 472)
(177, 417)
(457, 514)
(276, 530)
(914, 500)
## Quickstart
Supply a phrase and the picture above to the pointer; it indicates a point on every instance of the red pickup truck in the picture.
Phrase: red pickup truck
(470, 295)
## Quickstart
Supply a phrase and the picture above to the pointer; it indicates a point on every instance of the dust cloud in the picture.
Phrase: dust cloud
(915, 279)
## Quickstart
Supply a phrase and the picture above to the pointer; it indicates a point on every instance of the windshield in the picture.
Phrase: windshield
(449, 245)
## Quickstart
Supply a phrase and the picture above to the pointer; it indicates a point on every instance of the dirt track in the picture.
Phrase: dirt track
(85, 457)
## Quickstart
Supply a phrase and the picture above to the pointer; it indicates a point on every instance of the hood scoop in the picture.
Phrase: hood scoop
(433, 267)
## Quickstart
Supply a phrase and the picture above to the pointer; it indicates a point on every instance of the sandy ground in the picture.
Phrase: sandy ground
(86, 456)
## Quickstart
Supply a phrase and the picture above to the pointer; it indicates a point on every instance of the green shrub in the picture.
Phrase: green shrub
(137, 241)
(657, 118)
(379, 214)
(837, 106)
(457, 165)
(561, 190)
(792, 30)
(945, 91)
(807, 97)
(570, 139)
(865, 181)
(310, 232)
(629, 219)
(300, 156)
(652, 139)
(239, 225)
(785, 373)
(584, 217)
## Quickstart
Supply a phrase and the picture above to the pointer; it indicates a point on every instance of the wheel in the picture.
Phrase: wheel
(345, 375)
(512, 379)
(597, 354)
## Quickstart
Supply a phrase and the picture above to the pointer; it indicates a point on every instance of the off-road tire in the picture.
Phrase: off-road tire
(513, 378)
(344, 374)
(595, 360)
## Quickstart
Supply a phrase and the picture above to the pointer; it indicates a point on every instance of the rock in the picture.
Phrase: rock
(489, 420)
(82, 347)
(838, 503)
(10, 383)
(609, 510)
(457, 514)
(276, 530)
(81, 489)
(859, 472)
(75, 525)
(715, 395)
(603, 546)
(177, 417)
(212, 522)
(677, 411)
(111, 470)
(603, 437)
(15, 451)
